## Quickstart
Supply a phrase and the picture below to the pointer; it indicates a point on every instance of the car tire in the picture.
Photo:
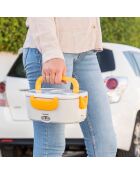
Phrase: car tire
(135, 144)
(7, 151)
(0, 153)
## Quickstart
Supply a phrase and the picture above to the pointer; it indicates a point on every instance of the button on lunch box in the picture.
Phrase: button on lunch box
(57, 105)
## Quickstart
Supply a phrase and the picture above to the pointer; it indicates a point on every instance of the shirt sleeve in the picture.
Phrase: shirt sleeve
(43, 32)
(99, 46)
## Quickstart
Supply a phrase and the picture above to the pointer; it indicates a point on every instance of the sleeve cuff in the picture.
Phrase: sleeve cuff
(51, 55)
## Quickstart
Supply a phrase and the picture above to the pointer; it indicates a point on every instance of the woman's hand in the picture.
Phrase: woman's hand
(53, 70)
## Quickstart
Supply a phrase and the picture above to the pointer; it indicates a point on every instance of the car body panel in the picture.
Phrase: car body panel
(6, 61)
(15, 124)
(16, 99)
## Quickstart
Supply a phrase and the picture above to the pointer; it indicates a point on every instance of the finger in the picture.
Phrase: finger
(52, 78)
(64, 74)
(43, 75)
(47, 77)
(65, 70)
(58, 78)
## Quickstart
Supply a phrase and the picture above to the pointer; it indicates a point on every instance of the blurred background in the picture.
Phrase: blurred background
(123, 30)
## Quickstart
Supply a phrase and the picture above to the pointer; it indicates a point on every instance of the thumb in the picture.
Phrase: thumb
(64, 73)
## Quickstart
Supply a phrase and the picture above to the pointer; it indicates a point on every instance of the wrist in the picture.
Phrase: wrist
(49, 55)
(53, 59)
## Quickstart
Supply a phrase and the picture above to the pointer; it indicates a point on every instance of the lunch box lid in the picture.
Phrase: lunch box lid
(56, 92)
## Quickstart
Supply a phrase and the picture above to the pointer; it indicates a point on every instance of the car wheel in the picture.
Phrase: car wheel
(135, 144)
(0, 153)
(7, 151)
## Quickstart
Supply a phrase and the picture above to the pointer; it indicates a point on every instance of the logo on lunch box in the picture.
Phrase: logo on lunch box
(45, 117)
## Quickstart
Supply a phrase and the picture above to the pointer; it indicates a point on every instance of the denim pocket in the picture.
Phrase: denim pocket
(31, 55)
(25, 53)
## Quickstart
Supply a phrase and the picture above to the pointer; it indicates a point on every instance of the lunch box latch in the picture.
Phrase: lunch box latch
(83, 102)
(43, 103)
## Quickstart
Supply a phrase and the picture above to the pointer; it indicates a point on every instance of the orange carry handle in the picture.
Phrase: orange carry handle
(74, 82)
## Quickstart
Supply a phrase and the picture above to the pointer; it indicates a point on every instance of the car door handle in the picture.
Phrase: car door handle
(23, 90)
(17, 107)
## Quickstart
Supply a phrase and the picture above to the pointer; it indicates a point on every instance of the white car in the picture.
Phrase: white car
(120, 66)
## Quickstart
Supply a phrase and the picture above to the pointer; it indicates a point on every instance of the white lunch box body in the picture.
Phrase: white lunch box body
(55, 105)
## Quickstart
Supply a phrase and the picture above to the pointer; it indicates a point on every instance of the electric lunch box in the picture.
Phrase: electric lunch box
(57, 105)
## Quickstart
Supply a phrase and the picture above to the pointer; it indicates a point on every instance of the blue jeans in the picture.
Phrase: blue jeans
(98, 132)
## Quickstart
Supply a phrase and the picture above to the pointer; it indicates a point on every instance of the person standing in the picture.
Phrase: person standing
(57, 46)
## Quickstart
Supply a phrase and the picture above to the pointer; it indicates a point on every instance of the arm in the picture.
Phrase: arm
(43, 32)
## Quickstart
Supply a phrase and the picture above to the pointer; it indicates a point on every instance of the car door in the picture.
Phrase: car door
(136, 56)
(16, 86)
(134, 60)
